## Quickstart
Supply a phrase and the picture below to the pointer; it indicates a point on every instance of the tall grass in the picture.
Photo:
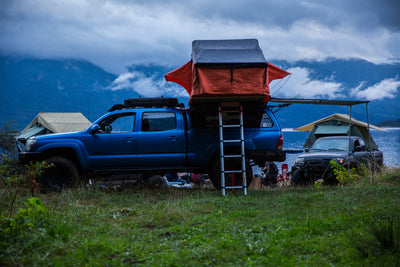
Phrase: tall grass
(350, 225)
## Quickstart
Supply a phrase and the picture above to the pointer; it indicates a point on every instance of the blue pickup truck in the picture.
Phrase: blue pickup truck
(147, 137)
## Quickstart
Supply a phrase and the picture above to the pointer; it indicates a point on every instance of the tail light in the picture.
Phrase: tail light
(280, 142)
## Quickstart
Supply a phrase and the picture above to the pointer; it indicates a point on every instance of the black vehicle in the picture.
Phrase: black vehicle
(314, 164)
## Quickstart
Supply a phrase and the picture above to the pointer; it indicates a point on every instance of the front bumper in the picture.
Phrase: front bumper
(317, 168)
(26, 157)
(261, 156)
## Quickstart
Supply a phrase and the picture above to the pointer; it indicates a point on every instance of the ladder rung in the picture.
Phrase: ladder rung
(230, 111)
(231, 141)
(232, 156)
(235, 171)
(234, 187)
(230, 107)
(231, 126)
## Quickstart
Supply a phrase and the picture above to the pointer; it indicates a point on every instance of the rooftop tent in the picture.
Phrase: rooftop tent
(338, 124)
(46, 122)
(226, 68)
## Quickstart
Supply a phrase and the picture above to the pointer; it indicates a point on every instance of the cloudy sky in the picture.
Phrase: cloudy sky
(114, 34)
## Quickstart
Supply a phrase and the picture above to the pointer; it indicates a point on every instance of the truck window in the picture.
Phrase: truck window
(158, 121)
(121, 123)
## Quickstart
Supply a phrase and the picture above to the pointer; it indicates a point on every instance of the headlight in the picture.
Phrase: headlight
(338, 160)
(300, 161)
(29, 144)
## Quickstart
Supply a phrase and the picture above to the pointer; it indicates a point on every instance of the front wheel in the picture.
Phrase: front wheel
(298, 178)
(231, 179)
(63, 174)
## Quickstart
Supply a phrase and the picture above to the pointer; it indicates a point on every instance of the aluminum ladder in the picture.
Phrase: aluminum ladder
(232, 107)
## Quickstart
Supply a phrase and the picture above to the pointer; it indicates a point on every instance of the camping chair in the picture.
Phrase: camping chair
(283, 179)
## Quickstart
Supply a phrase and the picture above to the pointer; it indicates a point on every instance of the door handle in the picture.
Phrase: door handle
(172, 138)
(129, 140)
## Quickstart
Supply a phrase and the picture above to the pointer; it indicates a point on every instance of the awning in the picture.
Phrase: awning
(339, 117)
(317, 101)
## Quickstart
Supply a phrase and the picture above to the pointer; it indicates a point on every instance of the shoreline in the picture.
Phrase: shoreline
(386, 128)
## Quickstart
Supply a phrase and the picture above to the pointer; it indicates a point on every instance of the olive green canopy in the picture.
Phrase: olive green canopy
(338, 124)
(55, 122)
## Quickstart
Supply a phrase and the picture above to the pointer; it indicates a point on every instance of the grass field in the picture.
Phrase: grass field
(317, 225)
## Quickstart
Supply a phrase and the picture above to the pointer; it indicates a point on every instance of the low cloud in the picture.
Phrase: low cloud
(387, 88)
(146, 86)
(117, 33)
(301, 85)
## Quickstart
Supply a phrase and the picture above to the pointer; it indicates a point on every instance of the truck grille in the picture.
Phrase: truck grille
(317, 167)
(314, 162)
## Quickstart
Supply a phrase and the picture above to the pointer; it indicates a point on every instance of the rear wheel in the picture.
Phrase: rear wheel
(63, 174)
(230, 178)
(156, 181)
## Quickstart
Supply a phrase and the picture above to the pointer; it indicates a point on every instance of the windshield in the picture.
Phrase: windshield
(331, 145)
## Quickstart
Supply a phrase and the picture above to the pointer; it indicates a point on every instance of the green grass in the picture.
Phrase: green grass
(340, 226)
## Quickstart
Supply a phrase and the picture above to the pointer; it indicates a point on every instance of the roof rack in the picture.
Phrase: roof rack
(150, 102)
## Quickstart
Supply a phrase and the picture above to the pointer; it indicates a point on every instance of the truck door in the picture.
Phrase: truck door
(161, 140)
(115, 144)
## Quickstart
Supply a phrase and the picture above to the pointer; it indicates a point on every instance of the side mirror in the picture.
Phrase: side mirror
(307, 150)
(359, 148)
(94, 129)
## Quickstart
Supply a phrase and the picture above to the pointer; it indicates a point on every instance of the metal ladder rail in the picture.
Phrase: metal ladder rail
(223, 156)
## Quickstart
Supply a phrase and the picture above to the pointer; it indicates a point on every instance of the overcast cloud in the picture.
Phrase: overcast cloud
(300, 85)
(146, 86)
(117, 33)
(384, 89)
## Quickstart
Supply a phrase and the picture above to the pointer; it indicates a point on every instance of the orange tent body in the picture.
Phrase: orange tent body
(226, 68)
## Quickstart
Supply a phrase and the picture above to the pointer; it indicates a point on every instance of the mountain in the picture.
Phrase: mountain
(29, 86)
(389, 123)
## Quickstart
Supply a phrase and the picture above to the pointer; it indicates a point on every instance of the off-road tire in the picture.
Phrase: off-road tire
(155, 181)
(64, 174)
(297, 178)
(328, 177)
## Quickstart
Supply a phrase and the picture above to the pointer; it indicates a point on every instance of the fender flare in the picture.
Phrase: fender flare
(78, 148)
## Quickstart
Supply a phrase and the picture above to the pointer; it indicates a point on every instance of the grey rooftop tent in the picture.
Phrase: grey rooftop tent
(226, 68)
(240, 52)
(338, 124)
(58, 122)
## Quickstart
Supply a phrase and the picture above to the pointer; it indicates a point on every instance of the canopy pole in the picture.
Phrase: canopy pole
(348, 155)
(370, 148)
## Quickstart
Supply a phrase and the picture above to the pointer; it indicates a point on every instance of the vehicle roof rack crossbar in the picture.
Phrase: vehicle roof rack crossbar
(150, 102)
